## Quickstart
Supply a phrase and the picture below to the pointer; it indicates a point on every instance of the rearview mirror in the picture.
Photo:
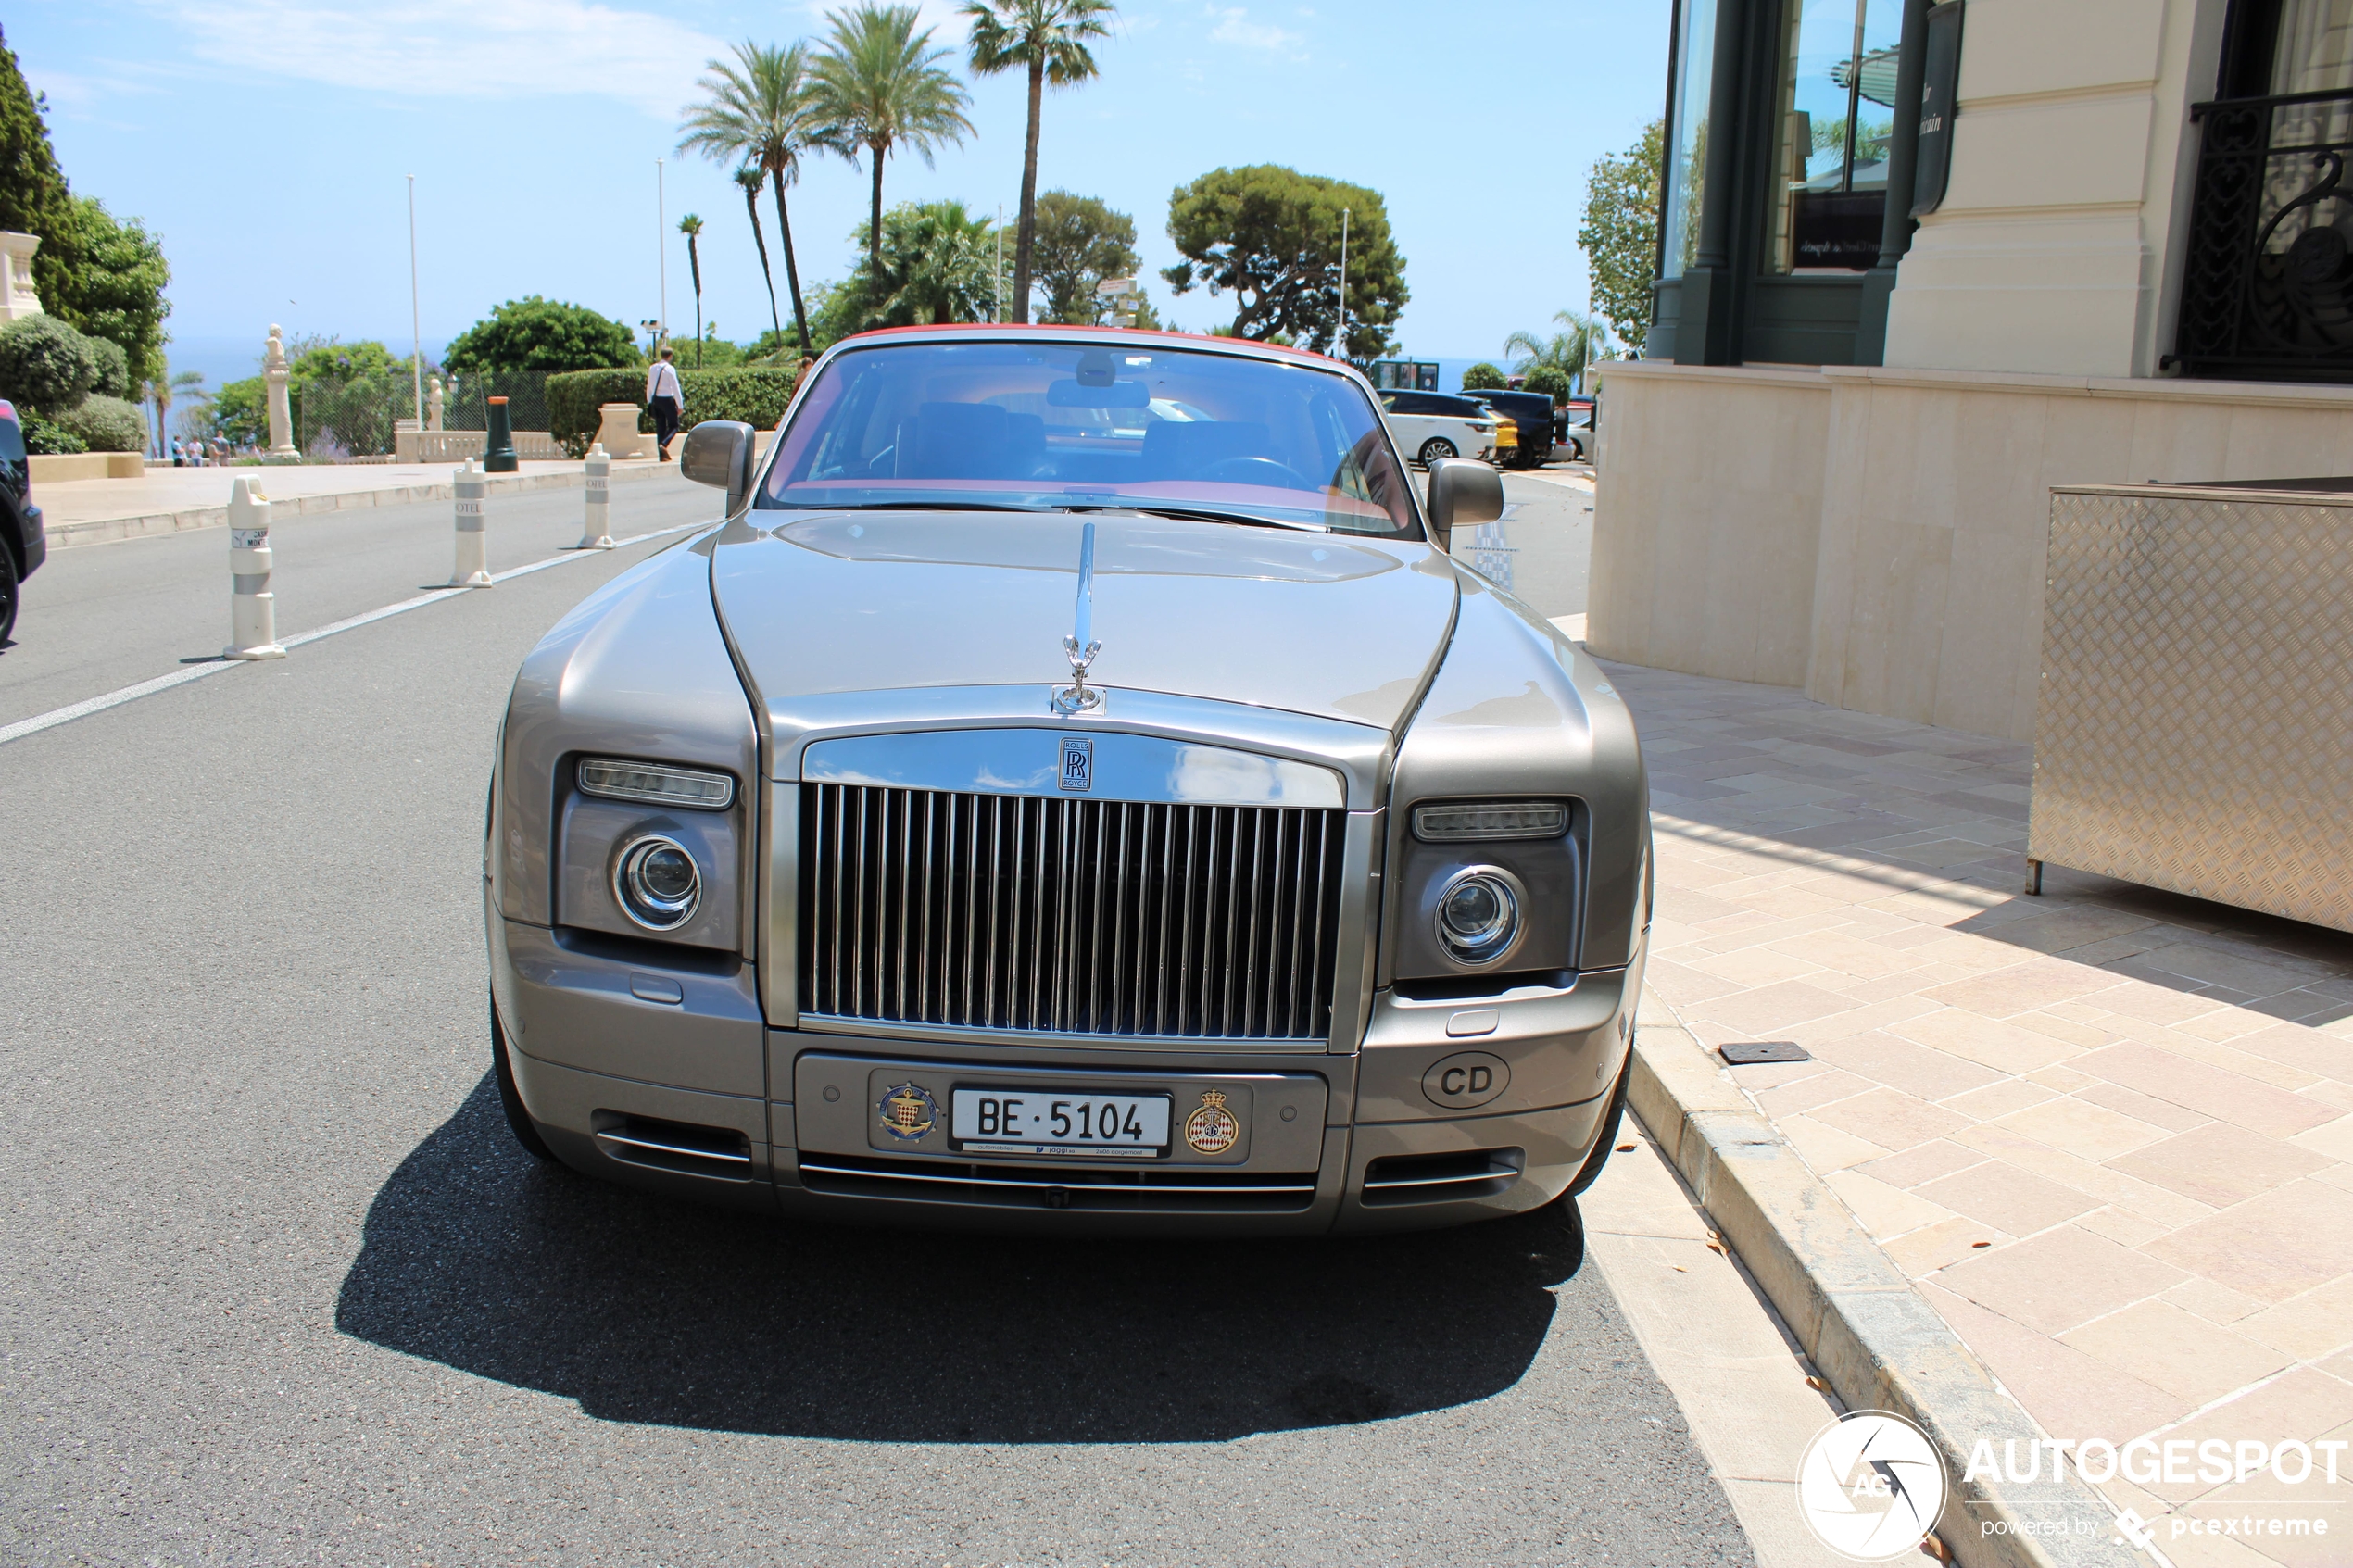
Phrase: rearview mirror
(1117, 395)
(719, 453)
(1462, 490)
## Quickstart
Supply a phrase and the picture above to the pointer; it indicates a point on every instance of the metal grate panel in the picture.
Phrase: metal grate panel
(2192, 732)
(1066, 916)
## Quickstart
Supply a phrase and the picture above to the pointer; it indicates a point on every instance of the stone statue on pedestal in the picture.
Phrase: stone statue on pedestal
(433, 402)
(274, 371)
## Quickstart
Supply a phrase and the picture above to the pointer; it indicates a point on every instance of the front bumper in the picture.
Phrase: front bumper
(1449, 1111)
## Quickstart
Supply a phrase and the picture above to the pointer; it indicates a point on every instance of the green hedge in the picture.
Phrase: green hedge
(755, 396)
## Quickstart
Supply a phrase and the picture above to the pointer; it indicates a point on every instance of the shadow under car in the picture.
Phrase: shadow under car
(645, 1309)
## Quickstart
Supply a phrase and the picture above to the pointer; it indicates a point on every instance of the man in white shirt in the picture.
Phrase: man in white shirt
(665, 399)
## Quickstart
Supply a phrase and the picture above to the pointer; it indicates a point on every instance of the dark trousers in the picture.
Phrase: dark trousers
(665, 413)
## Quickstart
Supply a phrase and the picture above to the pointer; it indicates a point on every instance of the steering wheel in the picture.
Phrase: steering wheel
(1255, 471)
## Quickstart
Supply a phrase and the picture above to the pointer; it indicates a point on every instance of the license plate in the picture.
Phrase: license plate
(1059, 1121)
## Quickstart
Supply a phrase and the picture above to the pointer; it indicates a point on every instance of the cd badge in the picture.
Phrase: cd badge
(909, 1111)
(1212, 1129)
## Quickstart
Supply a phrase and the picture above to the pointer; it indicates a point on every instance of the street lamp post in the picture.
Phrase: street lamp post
(662, 253)
(416, 320)
(1340, 343)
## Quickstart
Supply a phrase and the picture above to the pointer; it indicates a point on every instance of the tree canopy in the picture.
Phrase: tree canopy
(96, 273)
(1484, 377)
(33, 198)
(938, 264)
(1620, 234)
(1080, 242)
(533, 334)
(1272, 236)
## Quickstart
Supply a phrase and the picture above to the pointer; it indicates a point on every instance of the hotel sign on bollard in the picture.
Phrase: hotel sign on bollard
(473, 570)
(253, 612)
(597, 533)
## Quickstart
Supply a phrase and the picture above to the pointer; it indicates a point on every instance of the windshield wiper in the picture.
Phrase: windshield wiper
(1203, 514)
(910, 507)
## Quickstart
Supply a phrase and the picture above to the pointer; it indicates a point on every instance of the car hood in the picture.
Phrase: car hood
(1316, 623)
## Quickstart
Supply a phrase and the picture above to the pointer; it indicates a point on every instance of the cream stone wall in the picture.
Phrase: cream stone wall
(1714, 481)
(1918, 515)
(2055, 248)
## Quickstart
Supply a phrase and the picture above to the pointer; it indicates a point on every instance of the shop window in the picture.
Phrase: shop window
(1687, 121)
(1834, 133)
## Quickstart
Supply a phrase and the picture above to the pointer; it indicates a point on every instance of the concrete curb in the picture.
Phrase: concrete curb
(1877, 1343)
(106, 530)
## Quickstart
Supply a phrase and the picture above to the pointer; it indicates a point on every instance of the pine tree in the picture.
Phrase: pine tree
(33, 198)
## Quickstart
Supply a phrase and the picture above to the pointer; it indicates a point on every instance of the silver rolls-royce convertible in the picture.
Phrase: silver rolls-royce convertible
(1073, 788)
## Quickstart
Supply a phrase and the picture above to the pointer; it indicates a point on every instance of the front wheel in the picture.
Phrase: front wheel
(1436, 447)
(9, 593)
(1591, 1172)
(519, 1119)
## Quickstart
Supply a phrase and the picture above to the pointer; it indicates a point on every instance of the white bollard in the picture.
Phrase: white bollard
(599, 534)
(253, 609)
(473, 546)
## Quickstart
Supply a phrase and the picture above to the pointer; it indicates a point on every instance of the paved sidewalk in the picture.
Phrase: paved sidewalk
(167, 500)
(2107, 1132)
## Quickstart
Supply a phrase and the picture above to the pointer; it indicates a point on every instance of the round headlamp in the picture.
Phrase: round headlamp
(1480, 914)
(656, 883)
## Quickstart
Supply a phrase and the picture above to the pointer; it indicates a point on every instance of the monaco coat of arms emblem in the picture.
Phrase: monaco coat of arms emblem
(909, 1111)
(1212, 1129)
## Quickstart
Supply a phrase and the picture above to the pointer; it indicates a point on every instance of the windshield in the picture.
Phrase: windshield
(1049, 426)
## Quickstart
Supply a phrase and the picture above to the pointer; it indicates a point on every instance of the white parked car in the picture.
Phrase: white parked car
(1429, 425)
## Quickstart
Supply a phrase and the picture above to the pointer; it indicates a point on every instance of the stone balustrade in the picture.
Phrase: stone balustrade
(413, 445)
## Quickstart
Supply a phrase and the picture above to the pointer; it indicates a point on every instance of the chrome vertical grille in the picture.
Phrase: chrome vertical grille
(1061, 915)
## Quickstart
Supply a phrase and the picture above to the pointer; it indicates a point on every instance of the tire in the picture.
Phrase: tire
(1591, 1172)
(519, 1119)
(10, 592)
(1436, 447)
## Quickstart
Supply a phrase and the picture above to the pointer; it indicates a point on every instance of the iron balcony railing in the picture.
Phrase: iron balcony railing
(998, 912)
(2267, 284)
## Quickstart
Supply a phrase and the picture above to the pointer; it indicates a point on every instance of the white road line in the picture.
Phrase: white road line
(88, 705)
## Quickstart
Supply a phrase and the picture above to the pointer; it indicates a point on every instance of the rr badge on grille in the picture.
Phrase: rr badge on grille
(1212, 1129)
(908, 1111)
(1078, 764)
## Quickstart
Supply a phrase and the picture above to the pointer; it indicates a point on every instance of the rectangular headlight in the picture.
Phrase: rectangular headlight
(1488, 819)
(655, 785)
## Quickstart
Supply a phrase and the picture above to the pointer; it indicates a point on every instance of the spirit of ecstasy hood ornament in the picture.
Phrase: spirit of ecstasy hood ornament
(1080, 647)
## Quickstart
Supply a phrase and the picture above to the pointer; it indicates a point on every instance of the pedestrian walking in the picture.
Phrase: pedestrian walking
(665, 399)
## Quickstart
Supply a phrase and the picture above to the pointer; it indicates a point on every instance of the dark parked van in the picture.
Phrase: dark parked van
(24, 543)
(1533, 412)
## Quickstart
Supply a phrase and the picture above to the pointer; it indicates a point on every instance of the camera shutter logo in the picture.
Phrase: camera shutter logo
(1871, 1486)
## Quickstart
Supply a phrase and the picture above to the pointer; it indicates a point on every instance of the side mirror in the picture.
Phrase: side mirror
(719, 453)
(1462, 491)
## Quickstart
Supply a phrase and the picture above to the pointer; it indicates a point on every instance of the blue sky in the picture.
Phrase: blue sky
(266, 141)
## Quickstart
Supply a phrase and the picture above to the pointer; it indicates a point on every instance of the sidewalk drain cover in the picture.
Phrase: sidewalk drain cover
(1747, 1053)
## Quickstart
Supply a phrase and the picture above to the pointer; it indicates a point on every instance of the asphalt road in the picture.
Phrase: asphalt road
(1541, 548)
(276, 1286)
(100, 616)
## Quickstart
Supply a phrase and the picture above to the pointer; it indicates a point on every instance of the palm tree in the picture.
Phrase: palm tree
(882, 87)
(160, 391)
(936, 267)
(762, 110)
(1586, 341)
(691, 226)
(752, 179)
(1050, 38)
